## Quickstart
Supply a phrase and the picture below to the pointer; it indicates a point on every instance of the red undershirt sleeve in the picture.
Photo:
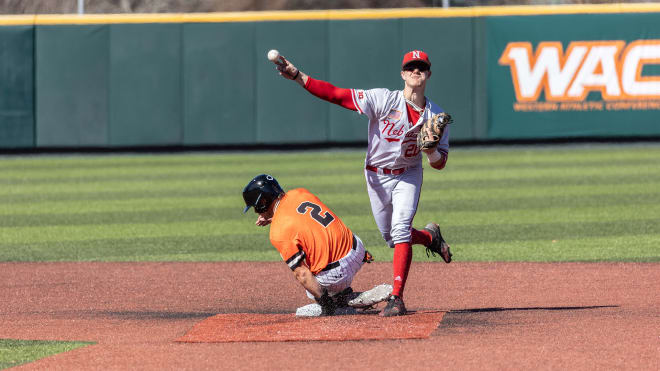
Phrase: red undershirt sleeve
(330, 93)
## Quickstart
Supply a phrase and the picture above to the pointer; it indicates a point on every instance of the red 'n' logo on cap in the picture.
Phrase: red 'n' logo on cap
(415, 54)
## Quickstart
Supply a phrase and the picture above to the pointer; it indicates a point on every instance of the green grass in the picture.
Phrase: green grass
(543, 203)
(18, 352)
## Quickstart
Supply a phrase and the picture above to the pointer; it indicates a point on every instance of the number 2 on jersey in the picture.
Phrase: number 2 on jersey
(315, 213)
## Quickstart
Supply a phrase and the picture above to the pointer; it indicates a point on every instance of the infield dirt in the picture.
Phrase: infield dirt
(497, 316)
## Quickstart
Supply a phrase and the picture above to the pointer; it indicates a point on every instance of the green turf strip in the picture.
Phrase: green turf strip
(453, 199)
(447, 186)
(321, 173)
(18, 352)
(501, 203)
(209, 209)
(210, 172)
(358, 218)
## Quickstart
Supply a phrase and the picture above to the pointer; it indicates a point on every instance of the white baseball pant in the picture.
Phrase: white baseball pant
(339, 278)
(394, 200)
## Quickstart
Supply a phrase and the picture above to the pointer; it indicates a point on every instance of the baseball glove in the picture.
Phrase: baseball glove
(431, 132)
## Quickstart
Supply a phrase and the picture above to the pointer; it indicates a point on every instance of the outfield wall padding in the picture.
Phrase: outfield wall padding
(16, 87)
(72, 85)
(218, 83)
(146, 80)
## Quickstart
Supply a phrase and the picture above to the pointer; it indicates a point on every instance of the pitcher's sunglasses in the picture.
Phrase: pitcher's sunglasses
(421, 66)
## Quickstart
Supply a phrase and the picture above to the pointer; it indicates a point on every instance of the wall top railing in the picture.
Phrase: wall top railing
(307, 15)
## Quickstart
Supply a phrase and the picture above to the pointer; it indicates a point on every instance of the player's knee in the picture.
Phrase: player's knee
(400, 235)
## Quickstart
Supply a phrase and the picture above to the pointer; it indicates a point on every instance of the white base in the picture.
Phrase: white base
(314, 310)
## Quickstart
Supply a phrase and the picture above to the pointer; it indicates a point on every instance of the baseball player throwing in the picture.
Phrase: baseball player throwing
(393, 167)
(322, 252)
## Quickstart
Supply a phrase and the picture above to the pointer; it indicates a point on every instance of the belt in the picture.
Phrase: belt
(336, 264)
(386, 170)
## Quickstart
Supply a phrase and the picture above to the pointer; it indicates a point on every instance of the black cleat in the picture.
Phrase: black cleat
(438, 244)
(394, 307)
(341, 299)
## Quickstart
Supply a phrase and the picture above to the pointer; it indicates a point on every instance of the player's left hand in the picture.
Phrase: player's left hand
(263, 221)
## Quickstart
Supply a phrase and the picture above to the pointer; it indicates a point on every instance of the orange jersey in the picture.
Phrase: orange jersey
(304, 228)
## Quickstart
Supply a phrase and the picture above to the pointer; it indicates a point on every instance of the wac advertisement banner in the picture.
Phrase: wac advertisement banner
(574, 75)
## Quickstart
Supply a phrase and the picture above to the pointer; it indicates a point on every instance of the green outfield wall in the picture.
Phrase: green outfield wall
(17, 123)
(203, 79)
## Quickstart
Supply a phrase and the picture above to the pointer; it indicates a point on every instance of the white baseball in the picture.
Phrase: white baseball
(273, 55)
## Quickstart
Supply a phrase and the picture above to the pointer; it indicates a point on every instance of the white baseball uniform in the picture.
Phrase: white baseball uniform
(394, 188)
(393, 164)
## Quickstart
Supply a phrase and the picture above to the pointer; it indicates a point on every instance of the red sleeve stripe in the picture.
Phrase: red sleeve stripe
(355, 101)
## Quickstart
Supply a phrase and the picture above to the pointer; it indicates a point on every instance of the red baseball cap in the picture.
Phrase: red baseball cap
(416, 55)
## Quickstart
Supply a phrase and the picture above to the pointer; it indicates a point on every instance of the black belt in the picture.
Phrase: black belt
(336, 264)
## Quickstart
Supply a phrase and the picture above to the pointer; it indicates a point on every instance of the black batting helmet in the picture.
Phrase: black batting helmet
(261, 192)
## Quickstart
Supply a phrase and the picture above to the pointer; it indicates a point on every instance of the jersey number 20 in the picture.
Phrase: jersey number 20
(315, 213)
(412, 150)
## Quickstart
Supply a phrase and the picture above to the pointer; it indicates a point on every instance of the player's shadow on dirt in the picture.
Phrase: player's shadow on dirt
(151, 315)
(498, 309)
(487, 320)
